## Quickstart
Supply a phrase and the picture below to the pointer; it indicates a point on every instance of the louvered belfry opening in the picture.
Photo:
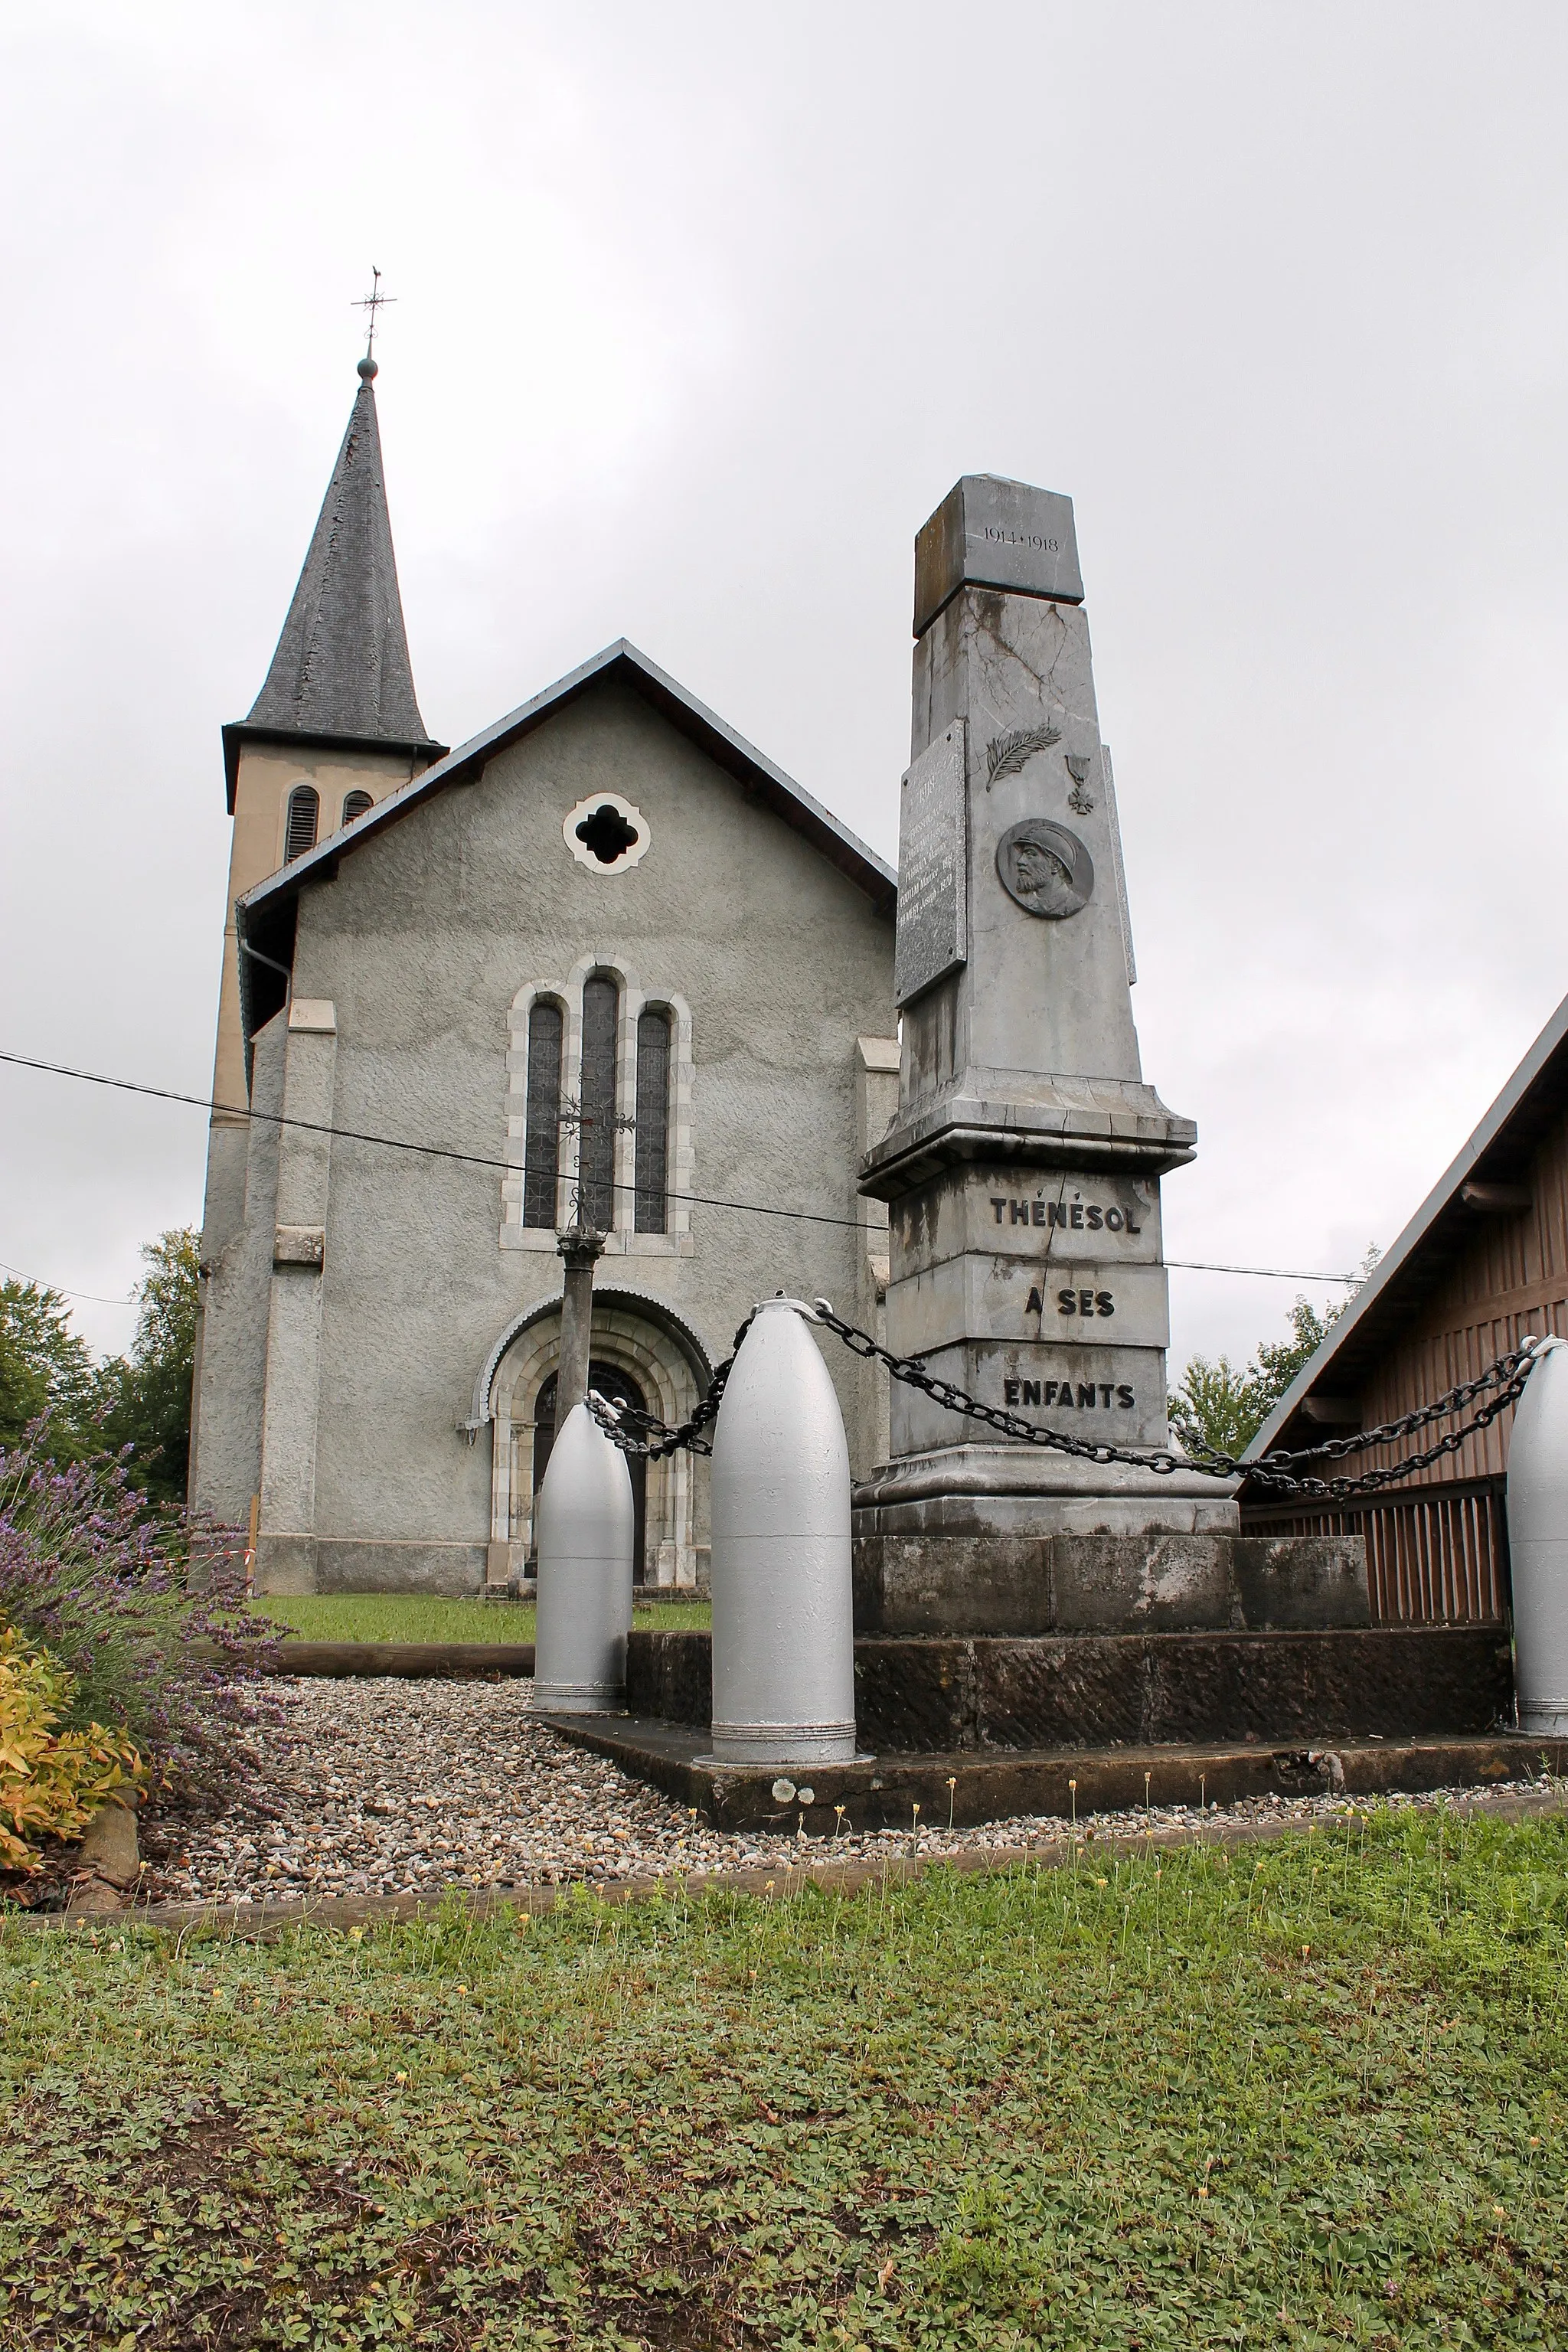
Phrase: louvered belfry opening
(356, 804)
(653, 1121)
(596, 1161)
(304, 817)
(542, 1140)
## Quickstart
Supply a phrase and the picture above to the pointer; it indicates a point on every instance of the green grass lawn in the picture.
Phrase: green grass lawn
(402, 1617)
(1311, 2095)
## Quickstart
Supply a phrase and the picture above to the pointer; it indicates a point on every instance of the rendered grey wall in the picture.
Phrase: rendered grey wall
(421, 943)
(236, 1246)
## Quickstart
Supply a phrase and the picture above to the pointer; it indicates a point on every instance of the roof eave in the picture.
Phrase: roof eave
(729, 750)
(237, 732)
(1391, 1267)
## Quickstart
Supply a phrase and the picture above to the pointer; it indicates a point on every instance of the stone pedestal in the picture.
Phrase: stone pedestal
(1157, 1580)
(1021, 1170)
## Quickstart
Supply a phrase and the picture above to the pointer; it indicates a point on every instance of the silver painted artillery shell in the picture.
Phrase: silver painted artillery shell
(783, 1632)
(587, 1525)
(1537, 1544)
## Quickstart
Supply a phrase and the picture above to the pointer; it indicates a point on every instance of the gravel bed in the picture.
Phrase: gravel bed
(383, 1786)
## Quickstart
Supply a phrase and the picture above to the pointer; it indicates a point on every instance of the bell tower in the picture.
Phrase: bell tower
(336, 721)
(334, 729)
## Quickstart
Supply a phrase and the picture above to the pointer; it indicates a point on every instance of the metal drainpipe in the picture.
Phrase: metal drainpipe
(243, 944)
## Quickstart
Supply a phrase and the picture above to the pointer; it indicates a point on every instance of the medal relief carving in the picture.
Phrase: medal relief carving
(1080, 798)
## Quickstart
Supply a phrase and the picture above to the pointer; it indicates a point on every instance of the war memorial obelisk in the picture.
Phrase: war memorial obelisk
(1021, 1172)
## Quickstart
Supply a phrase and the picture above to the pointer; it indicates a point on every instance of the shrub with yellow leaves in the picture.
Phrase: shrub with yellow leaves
(51, 1782)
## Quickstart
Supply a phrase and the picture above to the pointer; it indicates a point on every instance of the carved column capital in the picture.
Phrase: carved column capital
(580, 1246)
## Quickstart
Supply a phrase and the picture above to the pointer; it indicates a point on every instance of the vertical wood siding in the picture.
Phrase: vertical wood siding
(1437, 1544)
(1510, 1280)
(1435, 1557)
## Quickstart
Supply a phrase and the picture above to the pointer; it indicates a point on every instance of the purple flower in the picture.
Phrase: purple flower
(144, 1607)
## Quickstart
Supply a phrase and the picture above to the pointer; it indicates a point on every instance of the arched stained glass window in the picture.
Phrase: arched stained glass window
(596, 1161)
(356, 804)
(653, 1120)
(304, 817)
(542, 1139)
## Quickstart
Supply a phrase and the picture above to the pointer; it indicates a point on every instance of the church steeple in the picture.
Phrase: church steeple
(334, 729)
(341, 674)
(342, 666)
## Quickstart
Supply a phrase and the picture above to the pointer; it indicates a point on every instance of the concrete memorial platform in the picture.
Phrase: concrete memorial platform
(965, 1788)
(995, 1725)
(1080, 1691)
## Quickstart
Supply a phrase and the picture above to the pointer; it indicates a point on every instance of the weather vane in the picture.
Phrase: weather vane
(373, 302)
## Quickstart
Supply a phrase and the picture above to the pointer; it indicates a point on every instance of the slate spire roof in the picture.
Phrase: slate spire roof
(342, 666)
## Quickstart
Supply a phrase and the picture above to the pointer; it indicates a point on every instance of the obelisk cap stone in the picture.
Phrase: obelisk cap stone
(989, 532)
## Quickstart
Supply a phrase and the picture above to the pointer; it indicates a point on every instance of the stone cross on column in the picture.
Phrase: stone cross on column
(581, 1248)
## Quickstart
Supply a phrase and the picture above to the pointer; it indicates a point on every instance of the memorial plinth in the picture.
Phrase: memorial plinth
(1021, 1172)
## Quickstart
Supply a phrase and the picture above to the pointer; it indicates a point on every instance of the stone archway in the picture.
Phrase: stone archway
(619, 1388)
(654, 1352)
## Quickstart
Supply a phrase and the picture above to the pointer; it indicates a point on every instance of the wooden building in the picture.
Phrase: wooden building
(1482, 1266)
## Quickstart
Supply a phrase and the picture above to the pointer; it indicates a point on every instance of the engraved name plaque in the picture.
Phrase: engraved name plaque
(932, 927)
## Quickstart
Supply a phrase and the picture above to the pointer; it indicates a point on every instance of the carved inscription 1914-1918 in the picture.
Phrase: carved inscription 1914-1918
(933, 840)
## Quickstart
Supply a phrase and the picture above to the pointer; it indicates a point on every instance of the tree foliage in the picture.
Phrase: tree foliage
(46, 1372)
(141, 1402)
(1219, 1407)
(146, 1400)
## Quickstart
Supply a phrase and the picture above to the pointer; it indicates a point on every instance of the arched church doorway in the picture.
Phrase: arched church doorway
(642, 1350)
(619, 1387)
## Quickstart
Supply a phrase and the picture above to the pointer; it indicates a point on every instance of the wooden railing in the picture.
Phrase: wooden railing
(1437, 1555)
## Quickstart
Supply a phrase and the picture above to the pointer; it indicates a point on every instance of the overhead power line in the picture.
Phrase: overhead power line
(60, 1290)
(509, 1167)
(388, 1142)
(1273, 1272)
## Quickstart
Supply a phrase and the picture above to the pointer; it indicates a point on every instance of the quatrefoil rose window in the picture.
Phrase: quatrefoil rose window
(606, 833)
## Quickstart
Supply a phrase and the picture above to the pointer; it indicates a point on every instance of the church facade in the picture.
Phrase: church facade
(605, 963)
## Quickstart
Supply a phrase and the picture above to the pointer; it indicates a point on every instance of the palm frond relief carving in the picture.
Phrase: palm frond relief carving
(1005, 754)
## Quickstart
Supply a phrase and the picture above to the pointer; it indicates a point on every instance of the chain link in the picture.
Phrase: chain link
(1513, 1369)
(1508, 1375)
(645, 1435)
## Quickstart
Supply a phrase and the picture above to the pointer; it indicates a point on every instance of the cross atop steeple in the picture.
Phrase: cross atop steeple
(371, 302)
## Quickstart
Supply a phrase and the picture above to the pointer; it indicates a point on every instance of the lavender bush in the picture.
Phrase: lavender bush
(143, 1608)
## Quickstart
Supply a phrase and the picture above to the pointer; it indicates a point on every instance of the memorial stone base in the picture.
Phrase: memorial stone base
(986, 1563)
(979, 1729)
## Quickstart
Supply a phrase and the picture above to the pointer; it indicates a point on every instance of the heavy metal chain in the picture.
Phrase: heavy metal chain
(1510, 1372)
(1508, 1375)
(643, 1433)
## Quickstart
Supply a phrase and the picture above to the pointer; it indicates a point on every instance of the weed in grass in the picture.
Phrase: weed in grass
(1155, 2107)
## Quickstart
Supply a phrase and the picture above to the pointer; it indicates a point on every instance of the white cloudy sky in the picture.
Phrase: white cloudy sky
(701, 311)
